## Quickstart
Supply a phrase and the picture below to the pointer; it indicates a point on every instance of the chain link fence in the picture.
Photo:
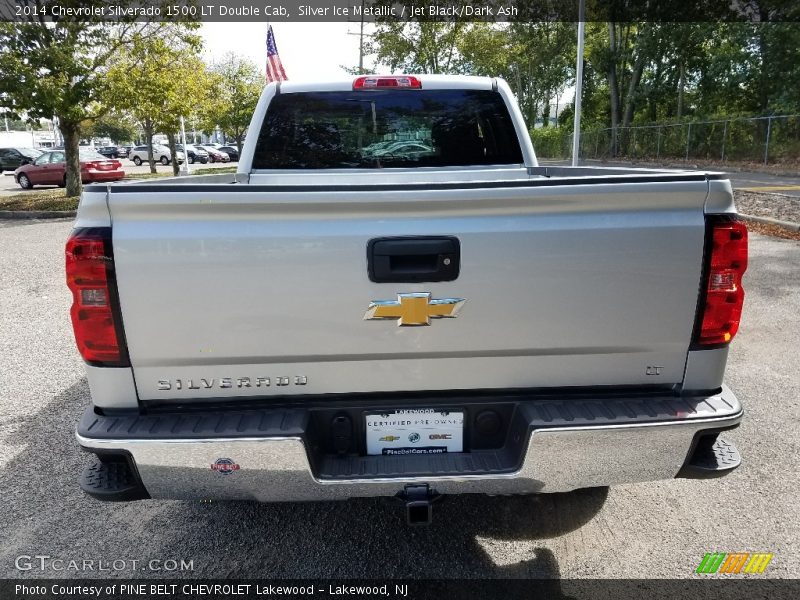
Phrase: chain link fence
(772, 139)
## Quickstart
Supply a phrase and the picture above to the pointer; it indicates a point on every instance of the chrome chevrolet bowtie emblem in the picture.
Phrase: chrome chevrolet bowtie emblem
(414, 309)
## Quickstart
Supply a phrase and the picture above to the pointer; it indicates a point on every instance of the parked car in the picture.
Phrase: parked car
(113, 151)
(50, 169)
(160, 154)
(11, 158)
(194, 153)
(215, 155)
(232, 152)
(403, 150)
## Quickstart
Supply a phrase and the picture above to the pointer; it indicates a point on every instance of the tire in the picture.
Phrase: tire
(63, 181)
(191, 160)
(164, 160)
(211, 159)
(137, 161)
(24, 182)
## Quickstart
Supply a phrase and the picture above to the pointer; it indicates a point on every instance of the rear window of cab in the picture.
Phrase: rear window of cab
(386, 128)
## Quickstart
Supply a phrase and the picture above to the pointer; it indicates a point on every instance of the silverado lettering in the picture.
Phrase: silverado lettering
(229, 382)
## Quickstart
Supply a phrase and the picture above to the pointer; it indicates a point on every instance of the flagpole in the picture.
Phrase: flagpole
(576, 134)
(266, 77)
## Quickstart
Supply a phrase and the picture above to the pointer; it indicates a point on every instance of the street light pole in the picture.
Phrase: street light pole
(185, 166)
(576, 134)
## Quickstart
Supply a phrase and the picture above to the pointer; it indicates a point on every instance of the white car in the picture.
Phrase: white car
(161, 154)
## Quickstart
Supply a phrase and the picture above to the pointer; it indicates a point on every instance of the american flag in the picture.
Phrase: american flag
(275, 70)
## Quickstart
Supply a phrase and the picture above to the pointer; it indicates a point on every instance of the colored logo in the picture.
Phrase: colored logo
(440, 436)
(414, 309)
(388, 438)
(413, 438)
(224, 466)
(735, 562)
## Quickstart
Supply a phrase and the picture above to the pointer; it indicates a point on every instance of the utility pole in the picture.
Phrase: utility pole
(576, 134)
(360, 44)
(361, 36)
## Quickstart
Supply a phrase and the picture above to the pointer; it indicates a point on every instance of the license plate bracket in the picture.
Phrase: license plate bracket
(412, 432)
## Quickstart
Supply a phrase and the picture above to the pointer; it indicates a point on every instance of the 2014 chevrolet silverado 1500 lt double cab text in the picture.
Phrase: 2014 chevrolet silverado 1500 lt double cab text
(391, 298)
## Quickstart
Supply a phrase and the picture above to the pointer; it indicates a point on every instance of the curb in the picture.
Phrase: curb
(37, 214)
(768, 221)
(781, 195)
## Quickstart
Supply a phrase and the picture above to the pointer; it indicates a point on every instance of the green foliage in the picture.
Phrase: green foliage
(158, 80)
(237, 83)
(551, 142)
(117, 126)
(419, 47)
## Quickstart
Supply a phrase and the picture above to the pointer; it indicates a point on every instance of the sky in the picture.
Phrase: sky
(309, 51)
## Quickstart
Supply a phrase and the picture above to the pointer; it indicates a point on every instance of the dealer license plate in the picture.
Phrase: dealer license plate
(411, 432)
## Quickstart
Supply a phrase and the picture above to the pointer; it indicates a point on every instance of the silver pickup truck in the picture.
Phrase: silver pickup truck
(392, 298)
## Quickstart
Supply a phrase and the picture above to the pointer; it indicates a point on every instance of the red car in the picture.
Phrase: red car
(215, 154)
(50, 169)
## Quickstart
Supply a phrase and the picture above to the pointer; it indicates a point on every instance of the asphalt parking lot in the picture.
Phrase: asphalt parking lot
(647, 530)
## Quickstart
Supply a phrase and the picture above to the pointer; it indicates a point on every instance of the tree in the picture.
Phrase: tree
(238, 85)
(117, 126)
(58, 69)
(542, 64)
(157, 81)
(419, 47)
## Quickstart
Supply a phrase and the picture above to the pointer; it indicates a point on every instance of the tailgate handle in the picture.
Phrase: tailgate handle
(413, 259)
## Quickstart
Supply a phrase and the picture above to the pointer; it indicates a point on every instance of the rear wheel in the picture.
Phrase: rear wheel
(137, 161)
(24, 182)
(191, 160)
(164, 160)
(63, 182)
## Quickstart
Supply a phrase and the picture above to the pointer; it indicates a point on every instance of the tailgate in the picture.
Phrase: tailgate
(241, 291)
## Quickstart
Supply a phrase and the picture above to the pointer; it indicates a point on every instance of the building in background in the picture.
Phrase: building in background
(27, 139)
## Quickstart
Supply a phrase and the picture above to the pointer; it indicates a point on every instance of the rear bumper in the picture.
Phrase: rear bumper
(98, 176)
(551, 446)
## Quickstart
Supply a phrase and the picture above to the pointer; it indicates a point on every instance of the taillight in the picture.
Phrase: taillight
(723, 293)
(90, 277)
(387, 81)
